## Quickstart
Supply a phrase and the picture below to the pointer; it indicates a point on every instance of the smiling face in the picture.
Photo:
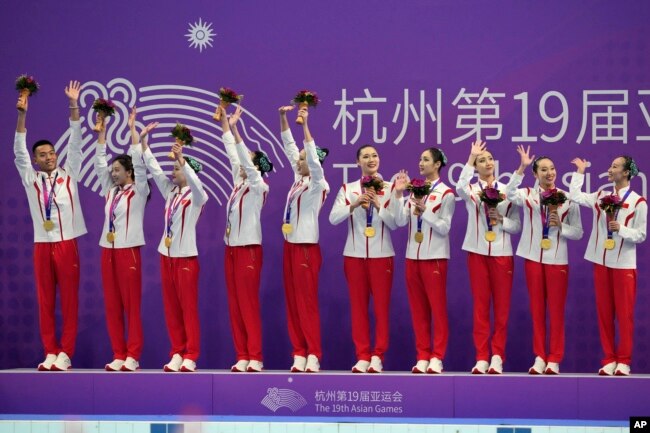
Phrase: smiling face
(368, 161)
(46, 158)
(545, 173)
(616, 172)
(301, 164)
(178, 177)
(121, 176)
(485, 164)
(428, 168)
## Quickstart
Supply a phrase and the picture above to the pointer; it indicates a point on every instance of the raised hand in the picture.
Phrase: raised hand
(304, 114)
(147, 129)
(477, 148)
(400, 182)
(232, 120)
(494, 215)
(72, 92)
(283, 110)
(526, 159)
(131, 121)
(177, 151)
(581, 164)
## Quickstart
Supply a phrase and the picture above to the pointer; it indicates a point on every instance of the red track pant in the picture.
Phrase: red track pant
(243, 266)
(57, 263)
(302, 264)
(491, 281)
(122, 279)
(367, 277)
(180, 287)
(547, 288)
(615, 296)
(426, 284)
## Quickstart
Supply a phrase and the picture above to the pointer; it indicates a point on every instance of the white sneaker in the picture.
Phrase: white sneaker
(116, 365)
(552, 368)
(240, 367)
(188, 366)
(375, 365)
(420, 367)
(607, 369)
(496, 365)
(361, 366)
(62, 363)
(435, 366)
(46, 365)
(299, 363)
(481, 367)
(538, 366)
(313, 366)
(130, 364)
(255, 366)
(174, 364)
(622, 370)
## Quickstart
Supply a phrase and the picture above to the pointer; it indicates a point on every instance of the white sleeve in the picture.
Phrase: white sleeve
(636, 232)
(23, 161)
(75, 155)
(163, 183)
(101, 168)
(576, 194)
(341, 209)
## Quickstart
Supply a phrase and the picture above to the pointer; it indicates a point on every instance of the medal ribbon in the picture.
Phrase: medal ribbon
(293, 194)
(116, 199)
(48, 196)
(486, 207)
(173, 207)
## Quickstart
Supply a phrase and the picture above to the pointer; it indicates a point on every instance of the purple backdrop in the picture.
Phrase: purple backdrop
(526, 72)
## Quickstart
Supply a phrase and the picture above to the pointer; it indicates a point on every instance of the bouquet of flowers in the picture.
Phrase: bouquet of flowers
(552, 198)
(419, 188)
(375, 183)
(491, 197)
(26, 86)
(228, 96)
(610, 204)
(104, 109)
(183, 136)
(304, 99)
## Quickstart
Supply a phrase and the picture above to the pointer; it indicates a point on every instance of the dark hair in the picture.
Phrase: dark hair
(41, 143)
(127, 162)
(630, 165)
(262, 162)
(365, 146)
(537, 160)
(438, 155)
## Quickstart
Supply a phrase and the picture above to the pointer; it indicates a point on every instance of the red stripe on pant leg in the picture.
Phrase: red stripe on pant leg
(66, 266)
(248, 267)
(131, 288)
(46, 292)
(436, 287)
(307, 262)
(481, 295)
(624, 298)
(290, 267)
(381, 283)
(557, 284)
(501, 273)
(186, 274)
(172, 306)
(605, 310)
(537, 301)
(420, 311)
(113, 305)
(236, 321)
(356, 274)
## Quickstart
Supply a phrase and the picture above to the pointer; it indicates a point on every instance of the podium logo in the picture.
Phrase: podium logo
(640, 423)
(280, 397)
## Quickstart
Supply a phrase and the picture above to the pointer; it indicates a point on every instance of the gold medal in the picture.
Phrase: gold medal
(168, 242)
(228, 230)
(490, 236)
(110, 237)
(545, 244)
(287, 228)
(419, 237)
(610, 244)
(48, 225)
(369, 232)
